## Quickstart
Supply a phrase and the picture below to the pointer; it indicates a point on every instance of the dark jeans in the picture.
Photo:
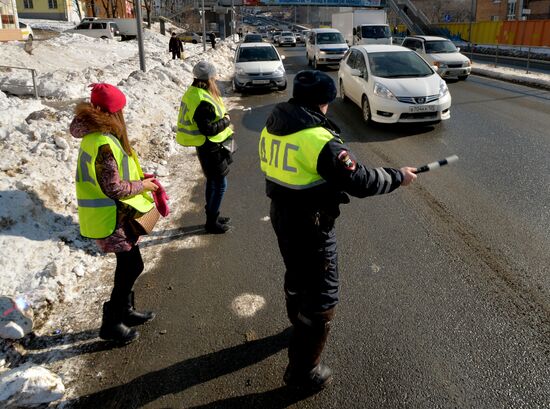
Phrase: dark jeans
(215, 189)
(176, 54)
(129, 265)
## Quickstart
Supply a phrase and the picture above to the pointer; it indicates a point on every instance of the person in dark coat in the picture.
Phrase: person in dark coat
(212, 38)
(309, 172)
(175, 47)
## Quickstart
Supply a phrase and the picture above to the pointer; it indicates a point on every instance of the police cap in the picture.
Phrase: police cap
(312, 87)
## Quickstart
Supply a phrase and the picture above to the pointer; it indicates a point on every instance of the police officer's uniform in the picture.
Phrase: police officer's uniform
(309, 172)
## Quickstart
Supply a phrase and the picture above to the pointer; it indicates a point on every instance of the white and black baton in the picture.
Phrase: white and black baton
(435, 165)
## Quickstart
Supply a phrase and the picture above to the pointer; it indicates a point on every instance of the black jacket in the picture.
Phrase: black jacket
(336, 164)
(214, 159)
(175, 45)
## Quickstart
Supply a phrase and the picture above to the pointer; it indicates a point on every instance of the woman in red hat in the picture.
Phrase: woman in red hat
(111, 193)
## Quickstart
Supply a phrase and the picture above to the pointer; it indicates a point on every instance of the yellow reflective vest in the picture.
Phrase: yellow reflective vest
(96, 211)
(188, 133)
(291, 160)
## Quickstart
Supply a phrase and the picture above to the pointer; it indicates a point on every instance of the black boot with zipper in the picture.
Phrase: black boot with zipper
(112, 327)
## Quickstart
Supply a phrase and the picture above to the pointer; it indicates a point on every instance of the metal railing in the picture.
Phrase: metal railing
(522, 53)
(33, 73)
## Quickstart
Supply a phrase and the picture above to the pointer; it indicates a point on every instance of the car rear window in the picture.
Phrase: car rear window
(257, 54)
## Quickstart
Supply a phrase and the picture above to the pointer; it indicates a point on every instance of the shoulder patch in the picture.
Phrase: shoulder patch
(346, 160)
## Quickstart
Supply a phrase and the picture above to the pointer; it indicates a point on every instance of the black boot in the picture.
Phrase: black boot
(213, 225)
(304, 370)
(132, 317)
(224, 220)
(112, 327)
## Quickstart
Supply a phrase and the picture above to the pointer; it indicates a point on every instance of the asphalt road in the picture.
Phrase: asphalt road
(445, 286)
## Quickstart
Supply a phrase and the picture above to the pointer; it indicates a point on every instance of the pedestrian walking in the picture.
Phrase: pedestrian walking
(175, 47)
(309, 172)
(212, 38)
(111, 193)
(203, 122)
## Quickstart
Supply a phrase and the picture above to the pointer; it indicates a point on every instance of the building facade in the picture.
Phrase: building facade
(64, 10)
(9, 21)
(509, 10)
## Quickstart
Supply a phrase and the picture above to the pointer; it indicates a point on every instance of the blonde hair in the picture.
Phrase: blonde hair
(213, 89)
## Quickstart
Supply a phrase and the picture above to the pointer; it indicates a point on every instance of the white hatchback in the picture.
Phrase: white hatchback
(258, 65)
(393, 84)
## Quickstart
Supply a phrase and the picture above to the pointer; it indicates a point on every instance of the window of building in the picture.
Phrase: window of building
(495, 18)
(27, 4)
(52, 4)
(511, 9)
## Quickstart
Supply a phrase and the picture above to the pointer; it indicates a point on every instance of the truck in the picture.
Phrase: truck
(369, 26)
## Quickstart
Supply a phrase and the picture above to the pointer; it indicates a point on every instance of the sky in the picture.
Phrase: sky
(42, 256)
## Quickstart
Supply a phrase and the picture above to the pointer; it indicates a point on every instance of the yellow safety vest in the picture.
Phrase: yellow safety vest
(96, 211)
(291, 160)
(188, 133)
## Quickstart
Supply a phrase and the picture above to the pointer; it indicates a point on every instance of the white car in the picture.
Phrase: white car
(105, 29)
(258, 65)
(325, 46)
(286, 38)
(26, 31)
(442, 53)
(393, 84)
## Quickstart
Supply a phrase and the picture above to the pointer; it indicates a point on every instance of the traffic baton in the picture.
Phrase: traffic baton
(435, 165)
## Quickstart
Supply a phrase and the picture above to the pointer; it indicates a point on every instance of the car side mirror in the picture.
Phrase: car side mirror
(457, 49)
(283, 57)
(356, 73)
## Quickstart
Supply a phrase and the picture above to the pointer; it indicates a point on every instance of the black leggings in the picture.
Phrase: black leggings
(129, 266)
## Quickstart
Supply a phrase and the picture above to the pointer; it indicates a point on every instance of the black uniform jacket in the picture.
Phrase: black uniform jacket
(335, 164)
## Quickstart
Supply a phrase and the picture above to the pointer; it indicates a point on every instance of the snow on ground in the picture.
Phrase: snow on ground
(42, 256)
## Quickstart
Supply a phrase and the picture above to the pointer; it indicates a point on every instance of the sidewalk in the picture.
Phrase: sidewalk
(517, 76)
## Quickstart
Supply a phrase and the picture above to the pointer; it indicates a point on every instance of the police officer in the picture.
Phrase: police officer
(203, 122)
(309, 172)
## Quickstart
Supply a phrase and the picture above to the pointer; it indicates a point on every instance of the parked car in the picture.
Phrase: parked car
(442, 53)
(190, 37)
(258, 65)
(26, 31)
(252, 38)
(325, 46)
(286, 38)
(97, 28)
(393, 84)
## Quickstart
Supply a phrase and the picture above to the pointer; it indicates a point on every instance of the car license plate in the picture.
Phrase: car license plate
(258, 82)
(422, 108)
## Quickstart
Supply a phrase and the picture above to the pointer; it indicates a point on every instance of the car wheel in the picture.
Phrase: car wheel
(236, 88)
(462, 77)
(194, 41)
(282, 87)
(365, 108)
(342, 92)
(293, 45)
(104, 37)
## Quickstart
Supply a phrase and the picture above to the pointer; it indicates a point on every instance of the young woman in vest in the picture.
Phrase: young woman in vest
(111, 191)
(204, 123)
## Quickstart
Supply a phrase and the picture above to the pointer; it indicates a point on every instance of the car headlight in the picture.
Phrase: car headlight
(280, 71)
(443, 89)
(322, 52)
(439, 64)
(240, 71)
(382, 91)
(468, 63)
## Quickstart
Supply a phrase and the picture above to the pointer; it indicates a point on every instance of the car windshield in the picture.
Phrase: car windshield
(330, 38)
(287, 33)
(444, 46)
(375, 32)
(400, 64)
(257, 54)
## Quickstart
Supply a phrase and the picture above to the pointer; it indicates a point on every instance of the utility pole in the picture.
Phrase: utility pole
(140, 36)
(203, 20)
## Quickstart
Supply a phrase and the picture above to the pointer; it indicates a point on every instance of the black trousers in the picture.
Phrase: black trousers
(129, 265)
(176, 54)
(307, 241)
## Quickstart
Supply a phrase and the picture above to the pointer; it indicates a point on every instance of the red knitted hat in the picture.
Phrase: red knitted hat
(107, 97)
